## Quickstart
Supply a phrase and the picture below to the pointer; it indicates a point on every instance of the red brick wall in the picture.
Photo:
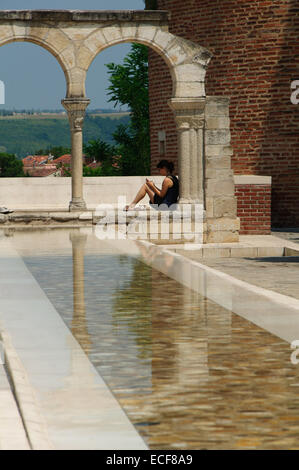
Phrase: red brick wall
(254, 209)
(255, 47)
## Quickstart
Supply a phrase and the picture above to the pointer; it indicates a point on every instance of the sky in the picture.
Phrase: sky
(33, 78)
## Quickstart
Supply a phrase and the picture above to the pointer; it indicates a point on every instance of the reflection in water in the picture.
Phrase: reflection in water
(188, 373)
(79, 322)
(126, 308)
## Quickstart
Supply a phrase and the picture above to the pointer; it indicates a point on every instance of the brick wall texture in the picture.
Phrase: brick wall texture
(255, 47)
(253, 208)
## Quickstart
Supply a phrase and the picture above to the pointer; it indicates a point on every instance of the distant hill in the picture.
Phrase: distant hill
(25, 135)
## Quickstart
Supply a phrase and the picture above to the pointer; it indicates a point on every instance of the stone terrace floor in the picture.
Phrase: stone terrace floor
(279, 274)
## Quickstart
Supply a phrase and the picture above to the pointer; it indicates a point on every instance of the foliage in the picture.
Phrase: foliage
(25, 136)
(66, 169)
(106, 169)
(151, 4)
(99, 150)
(10, 166)
(129, 86)
(55, 151)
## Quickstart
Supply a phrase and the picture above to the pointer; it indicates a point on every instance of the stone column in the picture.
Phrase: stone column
(76, 108)
(189, 117)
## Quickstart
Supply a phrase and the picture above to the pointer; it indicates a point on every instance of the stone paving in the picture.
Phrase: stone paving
(12, 433)
(277, 273)
(291, 234)
(280, 274)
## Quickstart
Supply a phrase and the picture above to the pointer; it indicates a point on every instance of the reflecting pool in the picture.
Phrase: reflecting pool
(189, 373)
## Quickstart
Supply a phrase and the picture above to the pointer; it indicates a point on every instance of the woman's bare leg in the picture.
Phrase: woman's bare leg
(143, 191)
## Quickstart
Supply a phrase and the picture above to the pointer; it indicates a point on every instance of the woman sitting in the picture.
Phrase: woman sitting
(168, 194)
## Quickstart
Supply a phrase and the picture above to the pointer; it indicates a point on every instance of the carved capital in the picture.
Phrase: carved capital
(189, 114)
(188, 122)
(76, 109)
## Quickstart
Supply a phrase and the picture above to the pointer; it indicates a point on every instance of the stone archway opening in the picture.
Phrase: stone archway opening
(35, 88)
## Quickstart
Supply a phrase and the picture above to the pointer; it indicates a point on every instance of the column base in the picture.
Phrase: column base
(77, 205)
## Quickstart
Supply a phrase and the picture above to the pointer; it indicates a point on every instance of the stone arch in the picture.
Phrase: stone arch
(41, 36)
(76, 37)
(187, 61)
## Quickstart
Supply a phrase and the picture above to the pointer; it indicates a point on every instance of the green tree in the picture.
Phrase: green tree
(99, 150)
(151, 4)
(106, 169)
(57, 151)
(129, 86)
(10, 166)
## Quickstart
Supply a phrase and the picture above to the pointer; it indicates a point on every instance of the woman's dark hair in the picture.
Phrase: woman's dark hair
(166, 164)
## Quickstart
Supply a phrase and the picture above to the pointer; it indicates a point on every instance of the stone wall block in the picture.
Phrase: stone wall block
(190, 73)
(213, 163)
(68, 57)
(223, 224)
(79, 32)
(225, 207)
(38, 32)
(189, 89)
(177, 53)
(218, 137)
(214, 187)
(163, 40)
(76, 86)
(112, 34)
(217, 109)
(96, 41)
(214, 151)
(146, 33)
(84, 58)
(58, 39)
(209, 207)
(6, 32)
(228, 151)
(20, 29)
(217, 123)
(219, 173)
(129, 31)
(221, 237)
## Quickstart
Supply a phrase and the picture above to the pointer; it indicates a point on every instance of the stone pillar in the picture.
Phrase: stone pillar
(76, 111)
(222, 223)
(189, 117)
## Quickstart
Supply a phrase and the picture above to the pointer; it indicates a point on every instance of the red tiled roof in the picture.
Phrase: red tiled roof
(30, 160)
(64, 159)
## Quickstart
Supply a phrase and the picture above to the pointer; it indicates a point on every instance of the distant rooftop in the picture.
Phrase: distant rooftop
(156, 16)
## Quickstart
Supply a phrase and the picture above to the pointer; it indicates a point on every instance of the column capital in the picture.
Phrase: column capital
(189, 112)
(76, 109)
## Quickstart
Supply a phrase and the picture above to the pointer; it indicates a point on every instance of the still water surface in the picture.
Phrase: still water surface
(188, 373)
